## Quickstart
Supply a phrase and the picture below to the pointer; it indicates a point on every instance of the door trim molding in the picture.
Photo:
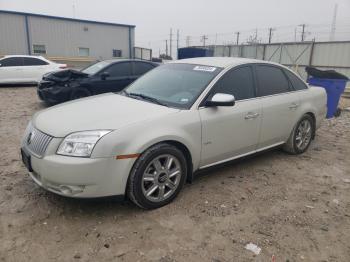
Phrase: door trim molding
(242, 155)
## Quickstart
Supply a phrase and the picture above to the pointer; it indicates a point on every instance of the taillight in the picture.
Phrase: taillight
(63, 66)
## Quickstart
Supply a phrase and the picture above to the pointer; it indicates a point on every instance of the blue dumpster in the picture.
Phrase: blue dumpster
(334, 89)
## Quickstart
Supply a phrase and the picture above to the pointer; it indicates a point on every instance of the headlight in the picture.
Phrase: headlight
(80, 144)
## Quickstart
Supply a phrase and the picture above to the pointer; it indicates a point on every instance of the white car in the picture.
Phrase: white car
(177, 119)
(25, 69)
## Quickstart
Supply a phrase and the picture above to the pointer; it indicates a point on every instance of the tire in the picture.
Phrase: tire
(337, 112)
(149, 177)
(295, 145)
(79, 93)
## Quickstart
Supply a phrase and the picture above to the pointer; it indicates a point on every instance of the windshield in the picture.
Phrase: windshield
(175, 85)
(92, 69)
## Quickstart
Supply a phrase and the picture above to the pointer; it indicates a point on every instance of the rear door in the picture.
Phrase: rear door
(11, 70)
(34, 68)
(280, 104)
(118, 77)
(229, 132)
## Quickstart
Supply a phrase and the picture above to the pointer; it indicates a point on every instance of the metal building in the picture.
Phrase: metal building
(64, 39)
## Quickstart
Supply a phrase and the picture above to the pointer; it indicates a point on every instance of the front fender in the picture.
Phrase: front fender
(183, 127)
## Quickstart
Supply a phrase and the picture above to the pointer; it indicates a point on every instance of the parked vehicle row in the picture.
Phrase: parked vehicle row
(179, 118)
(23, 69)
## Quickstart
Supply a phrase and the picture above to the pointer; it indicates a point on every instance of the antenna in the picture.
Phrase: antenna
(334, 23)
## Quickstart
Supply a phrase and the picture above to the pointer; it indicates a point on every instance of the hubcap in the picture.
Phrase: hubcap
(161, 178)
(303, 136)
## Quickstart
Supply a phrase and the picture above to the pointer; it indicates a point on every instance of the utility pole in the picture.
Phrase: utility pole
(237, 37)
(188, 39)
(166, 47)
(171, 42)
(177, 42)
(270, 34)
(204, 38)
(256, 35)
(303, 32)
(334, 23)
(73, 7)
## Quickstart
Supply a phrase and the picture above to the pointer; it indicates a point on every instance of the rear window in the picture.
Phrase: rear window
(296, 82)
(271, 80)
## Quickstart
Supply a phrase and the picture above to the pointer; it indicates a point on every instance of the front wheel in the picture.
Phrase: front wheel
(301, 137)
(157, 176)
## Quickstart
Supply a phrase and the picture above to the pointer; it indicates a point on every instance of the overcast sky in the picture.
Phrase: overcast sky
(153, 18)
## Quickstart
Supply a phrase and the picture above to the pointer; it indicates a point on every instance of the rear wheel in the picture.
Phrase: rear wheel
(157, 176)
(301, 137)
(80, 93)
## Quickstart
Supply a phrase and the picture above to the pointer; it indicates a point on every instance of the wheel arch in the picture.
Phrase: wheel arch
(183, 148)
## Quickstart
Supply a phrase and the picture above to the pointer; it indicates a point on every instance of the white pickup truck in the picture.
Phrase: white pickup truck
(178, 118)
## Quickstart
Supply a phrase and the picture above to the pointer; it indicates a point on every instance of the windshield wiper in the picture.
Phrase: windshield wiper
(148, 98)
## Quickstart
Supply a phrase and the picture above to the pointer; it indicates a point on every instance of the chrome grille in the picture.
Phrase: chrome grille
(36, 141)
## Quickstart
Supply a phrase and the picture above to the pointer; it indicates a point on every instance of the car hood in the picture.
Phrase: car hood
(107, 111)
(62, 76)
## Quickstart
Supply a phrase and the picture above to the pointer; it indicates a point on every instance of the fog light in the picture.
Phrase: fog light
(71, 190)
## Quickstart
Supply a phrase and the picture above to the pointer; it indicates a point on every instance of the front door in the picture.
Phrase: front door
(230, 132)
(33, 69)
(117, 77)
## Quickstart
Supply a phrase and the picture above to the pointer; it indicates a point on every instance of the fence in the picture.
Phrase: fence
(323, 55)
(142, 53)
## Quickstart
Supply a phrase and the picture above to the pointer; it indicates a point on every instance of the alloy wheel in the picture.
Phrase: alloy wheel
(303, 134)
(161, 178)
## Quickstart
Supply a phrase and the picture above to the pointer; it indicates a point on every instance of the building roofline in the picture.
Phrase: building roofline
(64, 18)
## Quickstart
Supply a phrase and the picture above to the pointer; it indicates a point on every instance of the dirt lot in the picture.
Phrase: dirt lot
(293, 207)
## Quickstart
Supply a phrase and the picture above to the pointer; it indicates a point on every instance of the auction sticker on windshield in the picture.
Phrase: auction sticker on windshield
(204, 68)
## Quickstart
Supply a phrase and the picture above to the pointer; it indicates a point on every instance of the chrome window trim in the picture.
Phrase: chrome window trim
(218, 77)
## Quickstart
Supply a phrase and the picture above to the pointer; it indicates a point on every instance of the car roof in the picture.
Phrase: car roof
(126, 60)
(223, 62)
(35, 56)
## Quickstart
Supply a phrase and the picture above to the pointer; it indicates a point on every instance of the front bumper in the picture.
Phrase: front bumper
(80, 177)
(53, 93)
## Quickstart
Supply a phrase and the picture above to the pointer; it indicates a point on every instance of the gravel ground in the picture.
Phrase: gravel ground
(293, 207)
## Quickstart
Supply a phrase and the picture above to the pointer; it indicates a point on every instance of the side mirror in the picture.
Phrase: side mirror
(220, 99)
(104, 75)
(0, 64)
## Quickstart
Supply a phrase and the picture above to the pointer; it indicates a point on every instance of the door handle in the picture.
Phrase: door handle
(293, 106)
(251, 115)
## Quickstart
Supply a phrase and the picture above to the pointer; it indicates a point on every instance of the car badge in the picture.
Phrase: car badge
(30, 138)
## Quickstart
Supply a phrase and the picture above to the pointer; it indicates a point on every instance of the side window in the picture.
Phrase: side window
(237, 82)
(31, 61)
(271, 80)
(141, 68)
(12, 61)
(119, 69)
(296, 82)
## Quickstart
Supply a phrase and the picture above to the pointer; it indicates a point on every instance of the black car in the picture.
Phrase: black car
(101, 77)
